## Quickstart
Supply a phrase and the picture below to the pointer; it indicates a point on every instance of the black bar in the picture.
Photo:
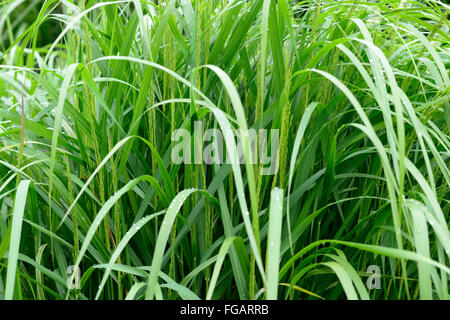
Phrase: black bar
(168, 310)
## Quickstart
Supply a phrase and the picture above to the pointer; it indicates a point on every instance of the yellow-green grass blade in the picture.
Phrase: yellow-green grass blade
(16, 233)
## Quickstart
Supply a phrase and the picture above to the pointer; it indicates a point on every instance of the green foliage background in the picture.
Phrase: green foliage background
(92, 91)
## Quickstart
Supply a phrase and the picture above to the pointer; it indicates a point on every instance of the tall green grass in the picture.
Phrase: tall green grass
(92, 207)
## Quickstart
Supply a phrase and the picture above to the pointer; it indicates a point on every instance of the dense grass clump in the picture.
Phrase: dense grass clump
(92, 205)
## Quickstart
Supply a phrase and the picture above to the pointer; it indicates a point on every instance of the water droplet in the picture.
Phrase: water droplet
(271, 244)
